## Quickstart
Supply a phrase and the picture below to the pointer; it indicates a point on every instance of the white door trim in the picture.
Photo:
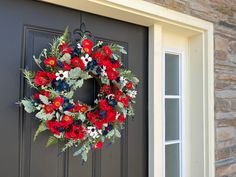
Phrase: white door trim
(158, 18)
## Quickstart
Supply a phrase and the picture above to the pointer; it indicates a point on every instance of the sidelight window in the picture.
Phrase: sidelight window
(173, 114)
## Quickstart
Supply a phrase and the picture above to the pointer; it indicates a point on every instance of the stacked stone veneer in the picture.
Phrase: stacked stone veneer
(223, 14)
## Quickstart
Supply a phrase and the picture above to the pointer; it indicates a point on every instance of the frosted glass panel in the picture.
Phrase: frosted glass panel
(171, 119)
(171, 74)
(172, 165)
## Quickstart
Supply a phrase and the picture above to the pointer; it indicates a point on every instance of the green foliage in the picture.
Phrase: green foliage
(44, 99)
(28, 105)
(51, 140)
(119, 48)
(29, 75)
(43, 116)
(129, 75)
(42, 127)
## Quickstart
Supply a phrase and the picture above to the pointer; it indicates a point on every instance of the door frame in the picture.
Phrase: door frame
(157, 19)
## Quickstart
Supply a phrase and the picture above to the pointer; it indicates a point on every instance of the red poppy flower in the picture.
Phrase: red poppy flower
(125, 101)
(66, 67)
(87, 46)
(67, 120)
(98, 145)
(76, 132)
(50, 61)
(54, 126)
(43, 78)
(57, 102)
(121, 118)
(48, 109)
(129, 85)
(112, 74)
(107, 50)
(106, 89)
(64, 48)
(77, 62)
(81, 108)
(98, 56)
(111, 115)
(104, 105)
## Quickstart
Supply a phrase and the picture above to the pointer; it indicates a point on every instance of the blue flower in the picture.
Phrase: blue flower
(60, 85)
(67, 105)
(75, 52)
(98, 70)
(111, 101)
(103, 114)
(60, 64)
(91, 65)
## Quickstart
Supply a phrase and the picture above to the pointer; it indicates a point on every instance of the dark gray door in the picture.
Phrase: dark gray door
(26, 27)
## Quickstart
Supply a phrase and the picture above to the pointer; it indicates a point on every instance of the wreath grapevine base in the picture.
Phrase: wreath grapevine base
(62, 70)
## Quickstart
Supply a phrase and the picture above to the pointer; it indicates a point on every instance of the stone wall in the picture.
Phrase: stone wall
(223, 14)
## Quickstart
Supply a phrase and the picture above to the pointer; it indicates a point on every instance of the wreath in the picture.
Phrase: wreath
(63, 68)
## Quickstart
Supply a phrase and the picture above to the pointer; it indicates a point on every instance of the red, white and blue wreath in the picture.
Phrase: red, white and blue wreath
(62, 70)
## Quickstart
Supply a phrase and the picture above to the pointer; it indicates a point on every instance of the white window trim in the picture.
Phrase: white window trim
(157, 18)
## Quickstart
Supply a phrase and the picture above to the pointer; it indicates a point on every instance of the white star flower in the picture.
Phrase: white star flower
(62, 75)
(86, 59)
(93, 132)
(103, 73)
(132, 93)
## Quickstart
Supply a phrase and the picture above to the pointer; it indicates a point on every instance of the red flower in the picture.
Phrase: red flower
(125, 101)
(106, 89)
(67, 120)
(81, 108)
(76, 132)
(107, 50)
(54, 126)
(98, 56)
(66, 67)
(50, 61)
(57, 102)
(111, 115)
(48, 109)
(87, 46)
(112, 74)
(104, 105)
(98, 145)
(65, 49)
(77, 62)
(129, 85)
(43, 78)
(121, 118)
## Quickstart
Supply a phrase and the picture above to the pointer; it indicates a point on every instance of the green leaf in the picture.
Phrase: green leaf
(28, 106)
(43, 116)
(74, 73)
(84, 156)
(78, 152)
(110, 134)
(69, 94)
(79, 83)
(44, 99)
(117, 133)
(51, 140)
(105, 80)
(82, 117)
(42, 127)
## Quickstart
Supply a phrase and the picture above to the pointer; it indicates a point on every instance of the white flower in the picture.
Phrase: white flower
(132, 93)
(62, 75)
(79, 46)
(123, 81)
(86, 59)
(103, 72)
(93, 132)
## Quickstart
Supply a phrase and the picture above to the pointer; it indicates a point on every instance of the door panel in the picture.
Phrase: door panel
(28, 27)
